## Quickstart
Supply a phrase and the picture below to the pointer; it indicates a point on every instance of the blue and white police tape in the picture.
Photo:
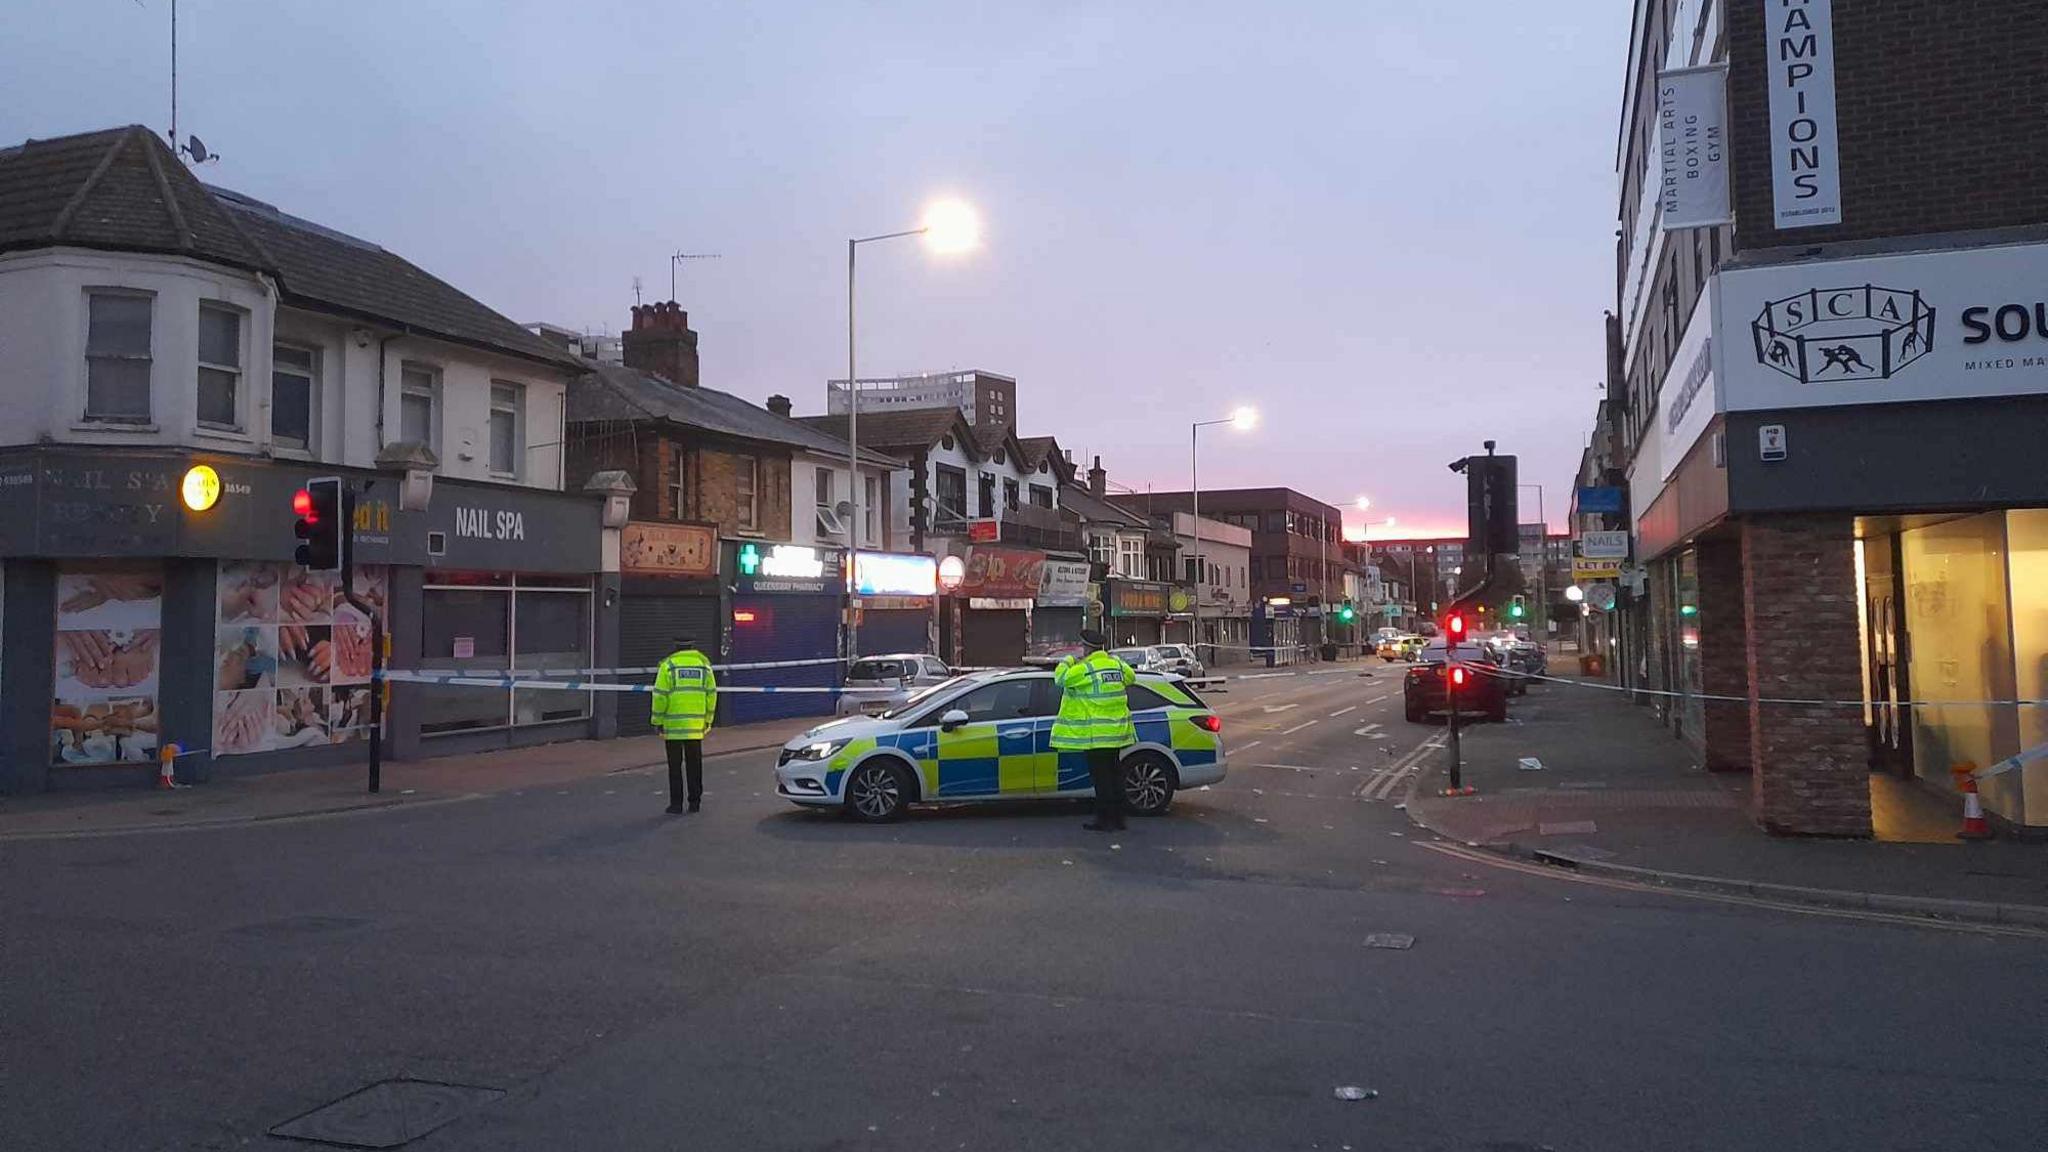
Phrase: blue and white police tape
(474, 680)
(587, 672)
(1486, 669)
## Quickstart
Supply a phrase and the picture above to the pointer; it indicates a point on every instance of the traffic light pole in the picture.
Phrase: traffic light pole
(376, 619)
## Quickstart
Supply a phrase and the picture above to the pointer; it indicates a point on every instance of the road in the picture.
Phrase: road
(984, 978)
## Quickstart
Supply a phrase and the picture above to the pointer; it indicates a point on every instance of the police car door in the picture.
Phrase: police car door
(993, 754)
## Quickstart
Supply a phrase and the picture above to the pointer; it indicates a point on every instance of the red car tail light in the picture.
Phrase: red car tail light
(1208, 722)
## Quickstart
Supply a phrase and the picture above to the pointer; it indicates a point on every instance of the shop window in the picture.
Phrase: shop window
(294, 396)
(220, 367)
(117, 357)
(551, 633)
(489, 622)
(291, 658)
(103, 708)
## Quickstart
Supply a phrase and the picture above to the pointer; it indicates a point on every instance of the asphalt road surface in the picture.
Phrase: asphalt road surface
(756, 977)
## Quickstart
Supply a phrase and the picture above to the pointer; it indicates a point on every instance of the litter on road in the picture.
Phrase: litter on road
(1529, 764)
(1354, 1092)
(1399, 941)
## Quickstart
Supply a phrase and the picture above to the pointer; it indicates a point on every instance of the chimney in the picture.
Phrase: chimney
(779, 405)
(660, 342)
(1098, 480)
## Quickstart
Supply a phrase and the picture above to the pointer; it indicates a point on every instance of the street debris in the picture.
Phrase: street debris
(1529, 764)
(1398, 941)
(1354, 1092)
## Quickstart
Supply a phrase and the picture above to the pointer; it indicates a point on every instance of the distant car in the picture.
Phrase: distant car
(888, 681)
(1411, 647)
(1389, 648)
(1484, 694)
(1179, 659)
(1140, 659)
(988, 736)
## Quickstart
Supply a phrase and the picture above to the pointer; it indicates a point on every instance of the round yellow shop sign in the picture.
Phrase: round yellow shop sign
(201, 488)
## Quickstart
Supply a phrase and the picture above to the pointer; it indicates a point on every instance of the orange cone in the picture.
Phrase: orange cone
(1974, 825)
(167, 766)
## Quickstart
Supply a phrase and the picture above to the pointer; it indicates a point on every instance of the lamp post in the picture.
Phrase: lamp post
(1244, 420)
(949, 226)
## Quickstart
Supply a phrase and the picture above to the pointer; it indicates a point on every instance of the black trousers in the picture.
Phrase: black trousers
(681, 753)
(1105, 770)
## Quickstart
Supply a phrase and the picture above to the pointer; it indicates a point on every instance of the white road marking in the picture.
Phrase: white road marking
(1368, 730)
(1291, 767)
(1271, 708)
(1299, 727)
(1376, 699)
(1248, 747)
(1341, 711)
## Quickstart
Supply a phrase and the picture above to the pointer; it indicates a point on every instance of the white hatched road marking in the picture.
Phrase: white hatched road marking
(1341, 711)
(1299, 727)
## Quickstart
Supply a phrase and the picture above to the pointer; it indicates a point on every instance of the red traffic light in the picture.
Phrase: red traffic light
(302, 503)
(1454, 626)
(1458, 677)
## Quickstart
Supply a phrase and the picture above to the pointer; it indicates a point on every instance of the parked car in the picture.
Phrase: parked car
(988, 736)
(1179, 659)
(1389, 648)
(1484, 694)
(888, 681)
(1140, 659)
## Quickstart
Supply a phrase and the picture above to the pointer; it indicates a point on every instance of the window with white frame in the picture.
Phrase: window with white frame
(220, 366)
(745, 493)
(826, 522)
(871, 499)
(294, 396)
(1102, 549)
(678, 488)
(117, 358)
(419, 406)
(508, 403)
(1130, 556)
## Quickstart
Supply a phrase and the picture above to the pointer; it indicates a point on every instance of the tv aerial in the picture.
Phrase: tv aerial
(678, 258)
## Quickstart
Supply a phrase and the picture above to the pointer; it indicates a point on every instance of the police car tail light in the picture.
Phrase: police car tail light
(1208, 722)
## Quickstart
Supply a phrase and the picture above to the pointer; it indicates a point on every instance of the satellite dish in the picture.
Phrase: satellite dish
(843, 509)
(197, 148)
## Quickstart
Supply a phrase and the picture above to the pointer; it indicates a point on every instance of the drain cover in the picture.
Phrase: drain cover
(387, 1114)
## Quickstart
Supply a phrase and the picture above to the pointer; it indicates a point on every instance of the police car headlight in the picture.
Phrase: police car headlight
(822, 750)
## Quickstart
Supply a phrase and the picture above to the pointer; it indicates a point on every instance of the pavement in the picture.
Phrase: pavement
(566, 967)
(289, 794)
(1617, 794)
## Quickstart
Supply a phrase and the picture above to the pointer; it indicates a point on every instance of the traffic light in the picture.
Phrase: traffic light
(1454, 628)
(319, 527)
(1458, 675)
(1515, 608)
(1345, 612)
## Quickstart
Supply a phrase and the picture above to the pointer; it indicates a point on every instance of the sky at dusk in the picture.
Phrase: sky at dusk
(1387, 225)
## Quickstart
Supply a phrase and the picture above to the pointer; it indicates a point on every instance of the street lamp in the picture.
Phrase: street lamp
(1244, 419)
(949, 226)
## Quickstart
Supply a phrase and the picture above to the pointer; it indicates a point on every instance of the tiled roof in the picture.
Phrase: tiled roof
(326, 270)
(615, 392)
(123, 189)
(1076, 498)
(119, 189)
(909, 428)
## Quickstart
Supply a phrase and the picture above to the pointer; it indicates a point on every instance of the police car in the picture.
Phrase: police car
(988, 736)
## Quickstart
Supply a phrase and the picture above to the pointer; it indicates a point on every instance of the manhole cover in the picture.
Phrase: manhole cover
(387, 1114)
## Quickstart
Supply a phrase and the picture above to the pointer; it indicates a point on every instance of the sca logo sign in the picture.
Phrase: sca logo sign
(1825, 335)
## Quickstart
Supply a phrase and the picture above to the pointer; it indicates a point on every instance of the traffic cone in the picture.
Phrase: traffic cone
(1974, 825)
(167, 767)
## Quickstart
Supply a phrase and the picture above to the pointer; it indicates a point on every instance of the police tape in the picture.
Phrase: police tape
(1511, 674)
(586, 672)
(461, 680)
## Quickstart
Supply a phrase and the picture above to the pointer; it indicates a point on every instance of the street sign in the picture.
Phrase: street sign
(1770, 442)
(1298, 588)
(1599, 500)
(1601, 596)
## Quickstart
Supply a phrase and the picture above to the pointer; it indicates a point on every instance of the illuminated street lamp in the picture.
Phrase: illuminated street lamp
(950, 226)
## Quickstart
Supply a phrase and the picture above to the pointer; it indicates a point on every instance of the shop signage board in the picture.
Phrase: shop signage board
(1692, 107)
(1063, 584)
(1884, 329)
(984, 531)
(762, 567)
(1599, 500)
(652, 549)
(894, 574)
(100, 504)
(1799, 50)
(1584, 569)
(1004, 573)
(1139, 598)
(1603, 545)
(1687, 400)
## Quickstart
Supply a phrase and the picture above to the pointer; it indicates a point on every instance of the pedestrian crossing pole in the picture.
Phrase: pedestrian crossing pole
(376, 619)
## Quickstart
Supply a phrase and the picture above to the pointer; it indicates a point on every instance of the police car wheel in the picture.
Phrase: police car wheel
(877, 792)
(1148, 784)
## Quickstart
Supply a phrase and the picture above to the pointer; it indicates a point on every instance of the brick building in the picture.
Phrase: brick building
(1825, 409)
(1297, 553)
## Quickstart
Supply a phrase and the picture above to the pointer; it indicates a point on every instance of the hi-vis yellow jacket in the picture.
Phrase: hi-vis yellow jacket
(1094, 710)
(685, 696)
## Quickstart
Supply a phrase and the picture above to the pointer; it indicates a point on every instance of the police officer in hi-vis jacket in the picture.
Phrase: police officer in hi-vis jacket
(685, 698)
(1095, 717)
